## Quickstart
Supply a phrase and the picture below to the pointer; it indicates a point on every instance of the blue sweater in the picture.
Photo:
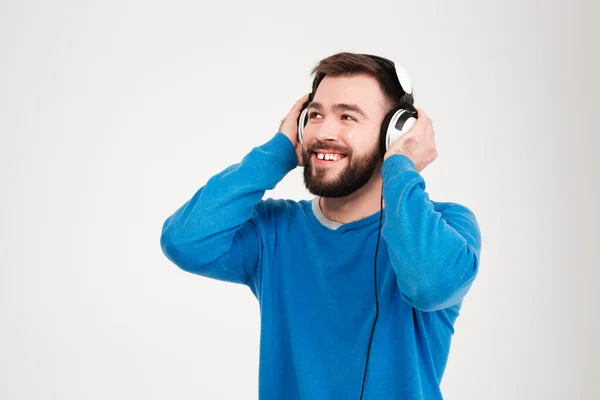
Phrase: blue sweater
(315, 284)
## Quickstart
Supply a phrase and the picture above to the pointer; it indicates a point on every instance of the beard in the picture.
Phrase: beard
(353, 177)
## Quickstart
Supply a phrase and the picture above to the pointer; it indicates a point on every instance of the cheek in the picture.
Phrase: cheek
(308, 134)
(361, 140)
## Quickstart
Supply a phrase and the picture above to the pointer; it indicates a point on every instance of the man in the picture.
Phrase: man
(314, 265)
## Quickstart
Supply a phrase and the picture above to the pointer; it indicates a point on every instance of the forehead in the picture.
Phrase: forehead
(362, 90)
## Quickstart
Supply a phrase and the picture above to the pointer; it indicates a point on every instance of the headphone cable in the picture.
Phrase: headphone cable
(376, 295)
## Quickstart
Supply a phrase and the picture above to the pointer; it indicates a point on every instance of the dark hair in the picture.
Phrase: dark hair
(349, 64)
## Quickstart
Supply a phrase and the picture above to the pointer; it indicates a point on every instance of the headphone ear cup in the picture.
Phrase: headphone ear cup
(303, 119)
(396, 123)
(302, 123)
(383, 131)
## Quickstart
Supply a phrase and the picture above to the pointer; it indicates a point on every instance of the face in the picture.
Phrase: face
(341, 139)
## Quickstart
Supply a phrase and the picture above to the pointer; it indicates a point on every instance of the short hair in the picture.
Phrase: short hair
(350, 64)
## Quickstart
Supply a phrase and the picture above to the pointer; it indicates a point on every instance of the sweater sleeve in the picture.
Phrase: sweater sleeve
(216, 233)
(434, 247)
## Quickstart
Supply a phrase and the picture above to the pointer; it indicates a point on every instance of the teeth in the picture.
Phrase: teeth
(328, 157)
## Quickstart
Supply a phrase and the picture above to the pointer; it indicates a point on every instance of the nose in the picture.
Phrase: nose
(324, 138)
(327, 132)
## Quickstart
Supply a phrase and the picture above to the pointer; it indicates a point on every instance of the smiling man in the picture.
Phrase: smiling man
(344, 153)
(360, 286)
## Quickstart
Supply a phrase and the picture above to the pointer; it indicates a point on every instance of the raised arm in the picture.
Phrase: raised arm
(434, 247)
(217, 232)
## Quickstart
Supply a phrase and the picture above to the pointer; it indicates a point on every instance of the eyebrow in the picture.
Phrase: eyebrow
(339, 107)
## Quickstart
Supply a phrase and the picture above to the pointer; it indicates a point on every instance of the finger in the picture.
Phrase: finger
(421, 118)
(299, 155)
(431, 131)
(300, 103)
(304, 98)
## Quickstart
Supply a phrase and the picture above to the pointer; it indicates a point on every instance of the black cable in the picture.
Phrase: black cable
(376, 296)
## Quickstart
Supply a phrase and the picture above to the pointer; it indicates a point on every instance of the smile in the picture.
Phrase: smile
(327, 159)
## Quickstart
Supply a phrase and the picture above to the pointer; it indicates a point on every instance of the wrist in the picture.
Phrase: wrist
(394, 153)
(396, 163)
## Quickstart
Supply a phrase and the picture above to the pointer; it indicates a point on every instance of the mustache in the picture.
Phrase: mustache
(319, 147)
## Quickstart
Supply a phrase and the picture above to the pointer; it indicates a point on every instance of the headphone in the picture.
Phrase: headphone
(396, 122)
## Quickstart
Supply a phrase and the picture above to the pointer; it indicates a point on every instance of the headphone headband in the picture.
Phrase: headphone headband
(402, 79)
(400, 73)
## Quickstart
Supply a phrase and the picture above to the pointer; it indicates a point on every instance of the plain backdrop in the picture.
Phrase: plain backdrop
(113, 113)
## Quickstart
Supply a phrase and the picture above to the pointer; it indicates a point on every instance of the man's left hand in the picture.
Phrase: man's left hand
(418, 143)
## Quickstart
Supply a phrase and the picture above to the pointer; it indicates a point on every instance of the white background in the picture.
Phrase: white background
(113, 113)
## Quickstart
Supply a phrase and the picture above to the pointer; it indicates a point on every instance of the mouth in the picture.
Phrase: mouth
(323, 159)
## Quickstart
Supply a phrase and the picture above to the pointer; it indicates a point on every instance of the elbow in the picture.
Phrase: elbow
(445, 292)
(192, 255)
(168, 241)
(184, 256)
(438, 297)
(174, 247)
(180, 250)
(175, 251)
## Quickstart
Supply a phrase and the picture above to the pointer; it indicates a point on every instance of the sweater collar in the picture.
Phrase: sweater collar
(321, 217)
(338, 226)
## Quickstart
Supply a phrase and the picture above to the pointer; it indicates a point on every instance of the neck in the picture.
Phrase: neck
(362, 203)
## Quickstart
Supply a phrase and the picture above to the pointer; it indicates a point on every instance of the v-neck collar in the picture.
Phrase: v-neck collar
(338, 226)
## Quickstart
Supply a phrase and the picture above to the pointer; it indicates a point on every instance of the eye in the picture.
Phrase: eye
(313, 114)
(350, 118)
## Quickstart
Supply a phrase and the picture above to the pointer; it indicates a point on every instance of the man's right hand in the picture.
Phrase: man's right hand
(289, 126)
